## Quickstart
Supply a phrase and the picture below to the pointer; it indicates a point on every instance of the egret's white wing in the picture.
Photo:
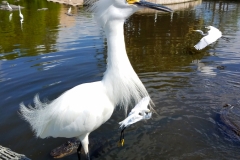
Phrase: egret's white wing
(213, 35)
(202, 43)
(71, 114)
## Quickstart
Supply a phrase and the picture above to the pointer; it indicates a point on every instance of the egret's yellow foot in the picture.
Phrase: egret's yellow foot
(121, 143)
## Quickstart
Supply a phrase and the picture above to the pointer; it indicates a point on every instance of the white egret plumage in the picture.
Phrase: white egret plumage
(20, 13)
(9, 7)
(138, 113)
(69, 10)
(82, 109)
(211, 36)
(10, 17)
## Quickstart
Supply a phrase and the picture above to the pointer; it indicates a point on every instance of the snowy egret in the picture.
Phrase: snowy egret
(9, 7)
(21, 22)
(20, 14)
(10, 17)
(69, 12)
(138, 113)
(82, 109)
(211, 36)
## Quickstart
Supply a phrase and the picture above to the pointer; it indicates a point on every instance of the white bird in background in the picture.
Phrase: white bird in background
(9, 7)
(10, 17)
(21, 22)
(211, 36)
(138, 113)
(82, 109)
(69, 10)
(20, 14)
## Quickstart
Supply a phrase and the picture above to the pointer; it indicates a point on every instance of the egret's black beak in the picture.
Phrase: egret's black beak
(146, 4)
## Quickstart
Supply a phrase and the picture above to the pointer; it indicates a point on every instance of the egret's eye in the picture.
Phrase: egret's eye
(140, 114)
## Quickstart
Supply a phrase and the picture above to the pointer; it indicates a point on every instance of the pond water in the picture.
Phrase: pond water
(51, 52)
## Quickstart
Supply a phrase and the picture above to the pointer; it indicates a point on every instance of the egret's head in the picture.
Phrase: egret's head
(107, 10)
(209, 27)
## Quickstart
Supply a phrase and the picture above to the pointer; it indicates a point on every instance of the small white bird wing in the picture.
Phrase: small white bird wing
(142, 105)
(133, 118)
(213, 35)
(69, 10)
(137, 113)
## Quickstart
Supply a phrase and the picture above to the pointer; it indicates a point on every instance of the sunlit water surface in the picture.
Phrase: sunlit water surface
(52, 52)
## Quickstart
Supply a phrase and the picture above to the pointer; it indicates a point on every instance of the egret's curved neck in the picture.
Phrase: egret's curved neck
(116, 44)
(121, 81)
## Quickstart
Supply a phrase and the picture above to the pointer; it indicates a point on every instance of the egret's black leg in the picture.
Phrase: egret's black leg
(121, 141)
(79, 151)
(88, 157)
(122, 134)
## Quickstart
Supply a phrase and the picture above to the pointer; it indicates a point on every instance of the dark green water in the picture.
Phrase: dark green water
(52, 52)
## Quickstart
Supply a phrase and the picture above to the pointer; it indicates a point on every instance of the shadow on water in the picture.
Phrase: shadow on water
(54, 52)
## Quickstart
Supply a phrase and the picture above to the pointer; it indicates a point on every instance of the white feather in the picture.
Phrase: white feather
(138, 113)
(20, 14)
(213, 35)
(72, 114)
(69, 10)
(9, 7)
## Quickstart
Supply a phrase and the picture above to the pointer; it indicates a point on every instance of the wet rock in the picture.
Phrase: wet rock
(7, 154)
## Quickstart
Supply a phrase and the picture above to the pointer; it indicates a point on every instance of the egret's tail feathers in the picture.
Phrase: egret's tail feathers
(36, 116)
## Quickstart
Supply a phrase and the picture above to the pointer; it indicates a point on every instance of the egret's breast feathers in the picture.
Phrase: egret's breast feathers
(66, 115)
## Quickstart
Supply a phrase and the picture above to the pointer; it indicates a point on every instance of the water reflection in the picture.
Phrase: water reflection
(204, 69)
(36, 30)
